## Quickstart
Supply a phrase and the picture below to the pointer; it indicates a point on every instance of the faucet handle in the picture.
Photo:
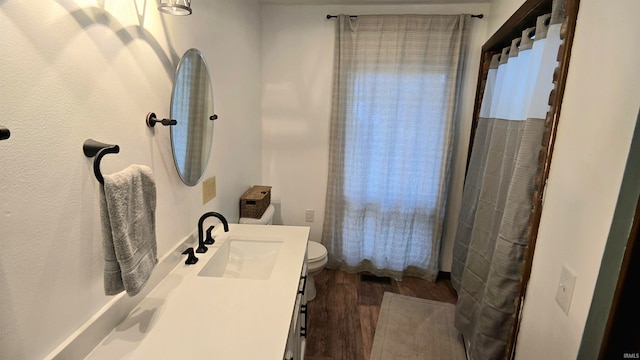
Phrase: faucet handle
(210, 240)
(191, 258)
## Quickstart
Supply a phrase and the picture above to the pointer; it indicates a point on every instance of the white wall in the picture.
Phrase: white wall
(297, 71)
(501, 10)
(72, 70)
(599, 110)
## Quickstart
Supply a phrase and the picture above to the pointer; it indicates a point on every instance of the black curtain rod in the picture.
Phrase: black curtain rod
(479, 16)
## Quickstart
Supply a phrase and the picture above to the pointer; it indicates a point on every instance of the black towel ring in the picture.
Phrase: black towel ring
(97, 149)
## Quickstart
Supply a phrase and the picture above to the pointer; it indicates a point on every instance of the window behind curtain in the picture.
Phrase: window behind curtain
(395, 91)
(401, 138)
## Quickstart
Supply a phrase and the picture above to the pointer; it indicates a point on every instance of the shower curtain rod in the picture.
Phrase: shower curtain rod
(479, 16)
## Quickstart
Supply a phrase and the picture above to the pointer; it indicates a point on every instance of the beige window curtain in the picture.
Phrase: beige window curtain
(497, 200)
(396, 84)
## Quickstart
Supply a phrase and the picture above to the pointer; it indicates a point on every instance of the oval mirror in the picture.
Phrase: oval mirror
(192, 108)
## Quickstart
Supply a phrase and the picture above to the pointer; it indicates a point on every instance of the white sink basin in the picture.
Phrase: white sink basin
(243, 259)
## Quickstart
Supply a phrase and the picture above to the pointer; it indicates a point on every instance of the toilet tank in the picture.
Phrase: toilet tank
(266, 219)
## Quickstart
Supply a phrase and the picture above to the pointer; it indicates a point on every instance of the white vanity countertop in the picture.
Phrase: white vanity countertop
(194, 317)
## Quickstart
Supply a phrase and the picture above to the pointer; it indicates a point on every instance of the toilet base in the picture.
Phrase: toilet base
(311, 287)
(314, 267)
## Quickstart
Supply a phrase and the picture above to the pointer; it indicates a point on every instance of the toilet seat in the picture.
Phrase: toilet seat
(315, 251)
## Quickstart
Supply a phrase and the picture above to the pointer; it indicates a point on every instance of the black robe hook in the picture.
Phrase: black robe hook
(4, 133)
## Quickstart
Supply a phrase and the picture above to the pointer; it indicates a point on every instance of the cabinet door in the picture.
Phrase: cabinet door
(302, 323)
(297, 328)
(293, 342)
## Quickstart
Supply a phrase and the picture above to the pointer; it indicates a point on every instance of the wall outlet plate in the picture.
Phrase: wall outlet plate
(565, 288)
(309, 215)
(208, 189)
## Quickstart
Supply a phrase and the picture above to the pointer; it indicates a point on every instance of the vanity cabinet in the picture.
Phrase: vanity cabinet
(298, 329)
(187, 301)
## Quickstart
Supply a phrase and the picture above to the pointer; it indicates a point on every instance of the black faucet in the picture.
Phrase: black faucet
(201, 248)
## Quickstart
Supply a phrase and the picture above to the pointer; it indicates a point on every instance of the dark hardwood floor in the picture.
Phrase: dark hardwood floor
(343, 317)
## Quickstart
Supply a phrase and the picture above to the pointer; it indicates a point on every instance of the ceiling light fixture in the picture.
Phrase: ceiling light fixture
(175, 7)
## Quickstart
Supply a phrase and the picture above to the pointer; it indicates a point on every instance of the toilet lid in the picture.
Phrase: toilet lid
(315, 251)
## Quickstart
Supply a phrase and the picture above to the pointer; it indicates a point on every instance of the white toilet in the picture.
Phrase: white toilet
(316, 252)
(316, 260)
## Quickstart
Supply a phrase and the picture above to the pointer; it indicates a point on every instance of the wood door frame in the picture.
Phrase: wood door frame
(523, 18)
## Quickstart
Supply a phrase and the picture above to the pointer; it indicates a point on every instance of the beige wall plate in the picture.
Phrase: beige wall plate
(208, 189)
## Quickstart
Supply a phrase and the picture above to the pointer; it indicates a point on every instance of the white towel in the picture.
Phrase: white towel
(127, 211)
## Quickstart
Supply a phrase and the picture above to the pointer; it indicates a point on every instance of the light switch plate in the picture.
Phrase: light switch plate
(565, 288)
(208, 189)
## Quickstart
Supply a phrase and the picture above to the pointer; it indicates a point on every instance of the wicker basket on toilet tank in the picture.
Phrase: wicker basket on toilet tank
(255, 201)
